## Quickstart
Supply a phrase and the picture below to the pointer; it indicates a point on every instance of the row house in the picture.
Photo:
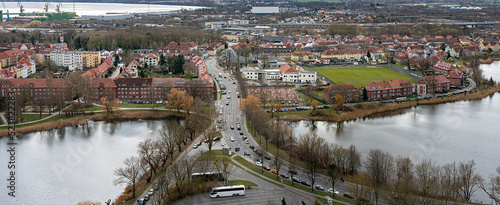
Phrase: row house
(494, 45)
(388, 89)
(435, 83)
(35, 88)
(101, 70)
(303, 56)
(344, 54)
(59, 46)
(347, 91)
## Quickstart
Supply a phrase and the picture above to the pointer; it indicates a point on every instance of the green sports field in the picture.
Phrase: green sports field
(359, 77)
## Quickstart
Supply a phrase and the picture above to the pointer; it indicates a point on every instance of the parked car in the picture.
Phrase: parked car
(141, 201)
(267, 157)
(232, 139)
(296, 179)
(241, 133)
(259, 160)
(252, 147)
(274, 171)
(246, 141)
(246, 153)
(232, 127)
(292, 171)
(244, 137)
(332, 191)
(151, 191)
(306, 183)
(319, 187)
(348, 195)
(195, 146)
(284, 175)
(266, 167)
(259, 164)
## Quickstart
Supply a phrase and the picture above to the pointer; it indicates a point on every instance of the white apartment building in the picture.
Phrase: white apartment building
(285, 74)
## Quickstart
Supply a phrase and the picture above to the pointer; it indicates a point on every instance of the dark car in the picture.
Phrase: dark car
(306, 183)
(319, 187)
(295, 179)
(268, 157)
(348, 195)
(259, 160)
(232, 127)
(241, 133)
(252, 147)
(284, 175)
(292, 171)
(246, 153)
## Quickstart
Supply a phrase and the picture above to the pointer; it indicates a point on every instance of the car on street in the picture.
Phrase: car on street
(266, 167)
(232, 127)
(284, 175)
(227, 103)
(296, 179)
(348, 195)
(216, 138)
(306, 183)
(333, 191)
(244, 137)
(246, 153)
(274, 171)
(292, 171)
(246, 141)
(232, 139)
(141, 201)
(238, 127)
(268, 157)
(259, 164)
(195, 146)
(241, 133)
(259, 160)
(151, 191)
(319, 187)
(252, 147)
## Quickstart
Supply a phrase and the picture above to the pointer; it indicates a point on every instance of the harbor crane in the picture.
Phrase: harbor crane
(58, 7)
(46, 6)
(21, 7)
(5, 8)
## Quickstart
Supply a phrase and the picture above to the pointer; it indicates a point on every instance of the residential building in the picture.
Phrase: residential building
(76, 59)
(303, 56)
(152, 59)
(388, 89)
(456, 78)
(443, 67)
(347, 54)
(435, 83)
(347, 91)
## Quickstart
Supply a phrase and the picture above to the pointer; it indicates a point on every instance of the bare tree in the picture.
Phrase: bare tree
(80, 88)
(209, 138)
(129, 174)
(469, 179)
(494, 189)
(379, 166)
(167, 142)
(178, 172)
(224, 166)
(149, 152)
(163, 183)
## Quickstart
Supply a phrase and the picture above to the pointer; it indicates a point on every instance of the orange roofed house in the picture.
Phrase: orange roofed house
(347, 91)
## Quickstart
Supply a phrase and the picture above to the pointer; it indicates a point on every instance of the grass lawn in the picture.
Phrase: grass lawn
(32, 117)
(241, 182)
(359, 77)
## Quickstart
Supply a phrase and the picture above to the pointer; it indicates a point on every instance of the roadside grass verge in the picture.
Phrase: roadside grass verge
(32, 117)
(242, 182)
(360, 76)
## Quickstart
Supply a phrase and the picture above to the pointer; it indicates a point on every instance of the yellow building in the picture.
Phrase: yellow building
(91, 59)
(343, 54)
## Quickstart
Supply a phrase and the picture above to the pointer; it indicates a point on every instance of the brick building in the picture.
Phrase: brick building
(388, 89)
(441, 83)
(347, 91)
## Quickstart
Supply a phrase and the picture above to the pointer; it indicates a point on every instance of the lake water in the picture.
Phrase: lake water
(459, 131)
(73, 164)
(94, 8)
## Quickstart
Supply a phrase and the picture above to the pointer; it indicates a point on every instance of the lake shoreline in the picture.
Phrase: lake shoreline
(84, 119)
(370, 109)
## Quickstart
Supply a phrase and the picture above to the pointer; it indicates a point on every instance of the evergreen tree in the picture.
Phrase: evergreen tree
(365, 94)
(443, 46)
(116, 61)
(226, 46)
(162, 60)
(368, 54)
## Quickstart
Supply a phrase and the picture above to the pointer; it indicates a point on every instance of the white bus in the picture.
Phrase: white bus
(237, 190)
